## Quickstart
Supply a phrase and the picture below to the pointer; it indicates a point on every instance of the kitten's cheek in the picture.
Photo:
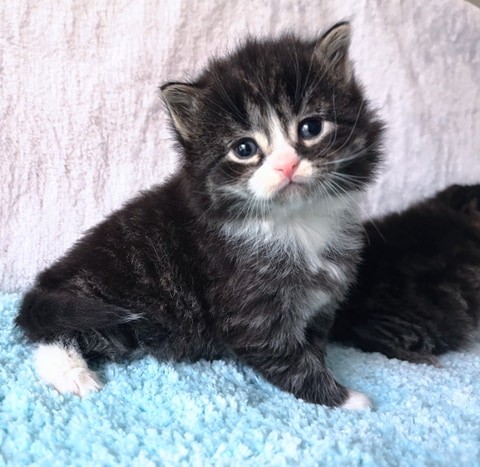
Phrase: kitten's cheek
(304, 172)
(265, 182)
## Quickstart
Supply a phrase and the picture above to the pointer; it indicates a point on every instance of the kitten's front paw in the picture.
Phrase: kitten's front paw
(356, 400)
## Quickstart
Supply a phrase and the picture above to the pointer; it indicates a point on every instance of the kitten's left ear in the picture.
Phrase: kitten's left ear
(182, 103)
(332, 49)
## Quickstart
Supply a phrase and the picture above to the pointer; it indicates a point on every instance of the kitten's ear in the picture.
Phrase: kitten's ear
(182, 103)
(332, 49)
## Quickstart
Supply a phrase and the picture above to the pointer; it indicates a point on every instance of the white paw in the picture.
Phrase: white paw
(66, 370)
(356, 400)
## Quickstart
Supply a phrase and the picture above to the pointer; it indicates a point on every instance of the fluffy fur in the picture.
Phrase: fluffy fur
(418, 289)
(253, 238)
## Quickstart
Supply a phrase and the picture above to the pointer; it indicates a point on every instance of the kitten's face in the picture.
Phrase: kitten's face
(278, 122)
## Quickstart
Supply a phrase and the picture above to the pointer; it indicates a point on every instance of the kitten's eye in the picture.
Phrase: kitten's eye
(309, 128)
(245, 148)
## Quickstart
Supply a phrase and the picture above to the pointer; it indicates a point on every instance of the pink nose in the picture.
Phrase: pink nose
(285, 162)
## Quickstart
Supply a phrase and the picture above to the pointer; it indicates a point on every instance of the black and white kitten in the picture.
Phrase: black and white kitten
(418, 289)
(248, 249)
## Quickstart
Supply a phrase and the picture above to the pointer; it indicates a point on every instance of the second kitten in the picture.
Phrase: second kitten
(418, 289)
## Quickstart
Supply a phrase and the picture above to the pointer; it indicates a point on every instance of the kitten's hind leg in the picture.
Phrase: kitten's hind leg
(63, 366)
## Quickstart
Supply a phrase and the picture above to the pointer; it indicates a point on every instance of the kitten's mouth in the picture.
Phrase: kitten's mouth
(295, 180)
(291, 188)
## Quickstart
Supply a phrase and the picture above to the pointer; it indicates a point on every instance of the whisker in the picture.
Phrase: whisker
(355, 180)
(351, 157)
(375, 226)
(361, 208)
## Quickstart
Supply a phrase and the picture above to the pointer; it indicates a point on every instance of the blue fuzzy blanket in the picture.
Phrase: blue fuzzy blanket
(222, 413)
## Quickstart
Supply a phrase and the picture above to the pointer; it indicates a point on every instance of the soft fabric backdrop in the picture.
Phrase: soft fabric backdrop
(82, 127)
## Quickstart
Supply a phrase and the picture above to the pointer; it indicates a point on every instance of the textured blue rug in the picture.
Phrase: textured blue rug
(222, 413)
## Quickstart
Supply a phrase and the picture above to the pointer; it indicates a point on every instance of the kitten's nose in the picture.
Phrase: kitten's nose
(285, 161)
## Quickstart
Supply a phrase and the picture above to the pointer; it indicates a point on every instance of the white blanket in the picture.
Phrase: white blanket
(82, 127)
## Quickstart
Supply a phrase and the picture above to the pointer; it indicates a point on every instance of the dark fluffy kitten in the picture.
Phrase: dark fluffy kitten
(418, 289)
(253, 238)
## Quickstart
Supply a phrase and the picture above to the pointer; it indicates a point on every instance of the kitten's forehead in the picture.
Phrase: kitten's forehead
(276, 130)
(263, 108)
(262, 75)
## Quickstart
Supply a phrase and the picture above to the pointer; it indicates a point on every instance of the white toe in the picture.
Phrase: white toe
(356, 400)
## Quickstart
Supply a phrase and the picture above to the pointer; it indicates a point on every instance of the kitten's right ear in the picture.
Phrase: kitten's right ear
(182, 103)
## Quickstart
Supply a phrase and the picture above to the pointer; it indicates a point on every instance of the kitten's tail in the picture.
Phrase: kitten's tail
(46, 315)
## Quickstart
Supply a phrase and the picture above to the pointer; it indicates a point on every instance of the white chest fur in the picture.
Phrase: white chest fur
(302, 232)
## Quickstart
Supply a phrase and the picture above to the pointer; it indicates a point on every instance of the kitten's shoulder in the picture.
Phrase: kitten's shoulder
(163, 200)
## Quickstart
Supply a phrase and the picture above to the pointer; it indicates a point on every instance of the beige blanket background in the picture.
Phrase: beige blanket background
(82, 127)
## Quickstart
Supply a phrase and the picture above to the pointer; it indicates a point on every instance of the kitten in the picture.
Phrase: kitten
(418, 289)
(254, 237)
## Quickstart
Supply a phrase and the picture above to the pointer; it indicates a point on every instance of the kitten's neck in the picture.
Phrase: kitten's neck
(310, 229)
